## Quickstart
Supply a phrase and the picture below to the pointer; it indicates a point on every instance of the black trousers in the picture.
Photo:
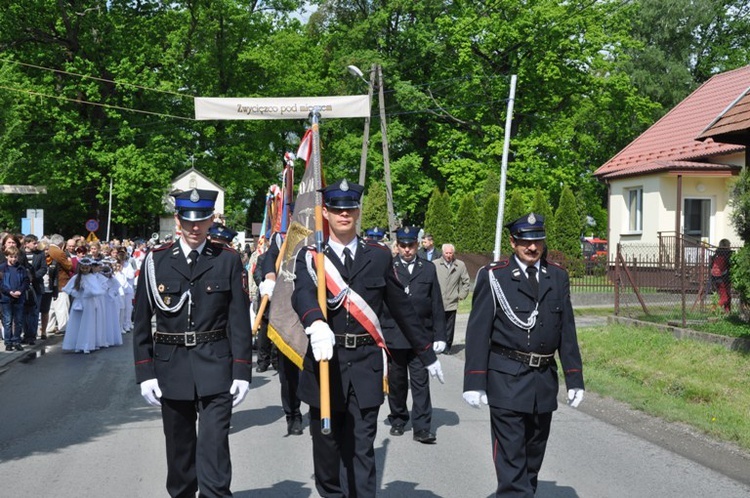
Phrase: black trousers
(450, 328)
(519, 441)
(267, 352)
(406, 370)
(289, 379)
(198, 458)
(344, 461)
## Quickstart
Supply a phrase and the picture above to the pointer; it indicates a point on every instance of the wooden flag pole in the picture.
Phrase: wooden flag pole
(325, 384)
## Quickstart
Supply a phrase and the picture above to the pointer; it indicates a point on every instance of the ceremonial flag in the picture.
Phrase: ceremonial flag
(284, 327)
(305, 147)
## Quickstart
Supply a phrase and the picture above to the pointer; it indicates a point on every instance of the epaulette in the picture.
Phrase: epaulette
(225, 247)
(161, 247)
(496, 265)
(371, 243)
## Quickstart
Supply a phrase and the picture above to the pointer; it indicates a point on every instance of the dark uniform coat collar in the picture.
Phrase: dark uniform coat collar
(516, 274)
(205, 261)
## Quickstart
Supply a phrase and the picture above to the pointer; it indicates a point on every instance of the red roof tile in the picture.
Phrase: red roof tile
(673, 137)
(658, 166)
(733, 125)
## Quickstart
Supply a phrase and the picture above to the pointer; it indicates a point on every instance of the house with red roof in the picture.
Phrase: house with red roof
(676, 177)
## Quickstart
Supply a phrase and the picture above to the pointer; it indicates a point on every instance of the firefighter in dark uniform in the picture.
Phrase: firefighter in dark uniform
(521, 315)
(351, 339)
(196, 364)
(419, 278)
(375, 234)
(221, 234)
(288, 371)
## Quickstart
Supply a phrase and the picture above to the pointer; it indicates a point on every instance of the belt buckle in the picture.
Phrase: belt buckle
(535, 360)
(350, 341)
(191, 339)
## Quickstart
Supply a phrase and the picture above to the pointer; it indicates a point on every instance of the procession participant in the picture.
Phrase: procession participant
(405, 372)
(288, 371)
(221, 234)
(521, 315)
(359, 279)
(375, 234)
(196, 365)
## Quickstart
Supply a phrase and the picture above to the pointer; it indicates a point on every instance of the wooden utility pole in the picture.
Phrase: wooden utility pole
(386, 159)
(366, 139)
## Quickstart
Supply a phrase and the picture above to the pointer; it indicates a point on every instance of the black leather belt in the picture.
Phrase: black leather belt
(351, 341)
(530, 359)
(189, 338)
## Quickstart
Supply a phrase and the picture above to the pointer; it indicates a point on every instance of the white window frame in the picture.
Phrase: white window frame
(633, 220)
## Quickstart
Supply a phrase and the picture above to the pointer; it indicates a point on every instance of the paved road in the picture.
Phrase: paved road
(75, 425)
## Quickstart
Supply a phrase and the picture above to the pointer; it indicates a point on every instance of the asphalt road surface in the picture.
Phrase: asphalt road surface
(75, 425)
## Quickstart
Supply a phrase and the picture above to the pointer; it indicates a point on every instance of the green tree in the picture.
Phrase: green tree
(488, 225)
(439, 218)
(515, 207)
(468, 228)
(375, 207)
(740, 274)
(566, 234)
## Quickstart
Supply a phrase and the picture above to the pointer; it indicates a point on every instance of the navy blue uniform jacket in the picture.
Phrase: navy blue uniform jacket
(374, 279)
(509, 383)
(219, 303)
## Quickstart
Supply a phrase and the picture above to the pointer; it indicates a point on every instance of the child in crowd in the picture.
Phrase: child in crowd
(15, 282)
(84, 288)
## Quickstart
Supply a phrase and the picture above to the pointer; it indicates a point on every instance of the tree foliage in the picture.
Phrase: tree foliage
(96, 92)
(439, 218)
(375, 207)
(467, 226)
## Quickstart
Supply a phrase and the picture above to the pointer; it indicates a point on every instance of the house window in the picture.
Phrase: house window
(634, 198)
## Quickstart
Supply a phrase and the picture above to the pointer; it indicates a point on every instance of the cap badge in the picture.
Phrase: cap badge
(194, 196)
(531, 219)
(344, 185)
(406, 230)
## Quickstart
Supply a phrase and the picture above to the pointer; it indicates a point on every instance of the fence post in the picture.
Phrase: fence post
(683, 289)
(617, 281)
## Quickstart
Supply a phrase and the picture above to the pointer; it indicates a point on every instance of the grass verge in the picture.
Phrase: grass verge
(686, 381)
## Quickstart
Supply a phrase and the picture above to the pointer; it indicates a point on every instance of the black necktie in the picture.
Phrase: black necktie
(348, 261)
(531, 272)
(193, 256)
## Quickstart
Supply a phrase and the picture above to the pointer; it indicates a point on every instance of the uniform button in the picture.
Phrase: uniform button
(192, 284)
(348, 363)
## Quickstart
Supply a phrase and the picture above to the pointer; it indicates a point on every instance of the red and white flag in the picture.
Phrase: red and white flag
(305, 147)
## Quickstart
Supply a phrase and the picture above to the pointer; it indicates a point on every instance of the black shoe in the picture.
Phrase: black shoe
(397, 430)
(425, 437)
(294, 427)
(9, 347)
(261, 368)
(19, 347)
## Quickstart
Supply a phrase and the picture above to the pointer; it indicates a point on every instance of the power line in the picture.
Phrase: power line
(85, 76)
(98, 104)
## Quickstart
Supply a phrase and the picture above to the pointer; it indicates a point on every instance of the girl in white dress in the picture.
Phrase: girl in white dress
(111, 305)
(84, 289)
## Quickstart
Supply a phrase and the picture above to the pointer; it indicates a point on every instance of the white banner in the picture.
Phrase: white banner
(352, 106)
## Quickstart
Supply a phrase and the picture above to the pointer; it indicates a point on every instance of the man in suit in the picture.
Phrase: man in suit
(521, 315)
(420, 282)
(196, 365)
(428, 250)
(359, 279)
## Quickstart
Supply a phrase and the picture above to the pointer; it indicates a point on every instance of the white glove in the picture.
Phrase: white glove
(239, 390)
(575, 396)
(321, 340)
(266, 288)
(475, 398)
(151, 392)
(436, 371)
(438, 346)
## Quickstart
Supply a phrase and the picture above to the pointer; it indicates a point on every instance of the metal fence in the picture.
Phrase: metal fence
(669, 282)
